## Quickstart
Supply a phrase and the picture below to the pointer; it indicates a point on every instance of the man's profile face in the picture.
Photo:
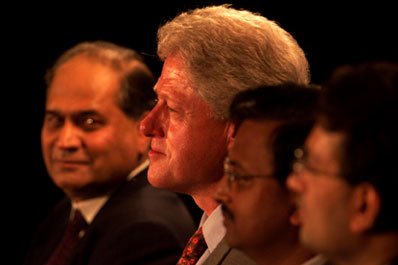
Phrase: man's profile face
(323, 196)
(256, 205)
(88, 143)
(188, 144)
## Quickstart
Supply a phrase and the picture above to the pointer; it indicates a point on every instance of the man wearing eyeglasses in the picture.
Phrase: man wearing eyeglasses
(259, 213)
(346, 176)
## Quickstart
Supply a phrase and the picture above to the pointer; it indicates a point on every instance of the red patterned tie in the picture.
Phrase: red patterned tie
(194, 249)
(69, 241)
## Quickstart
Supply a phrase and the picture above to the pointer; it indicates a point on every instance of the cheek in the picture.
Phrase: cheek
(188, 144)
(117, 142)
(45, 149)
(47, 146)
(103, 146)
(273, 207)
(323, 207)
(178, 138)
(47, 139)
(251, 222)
(249, 210)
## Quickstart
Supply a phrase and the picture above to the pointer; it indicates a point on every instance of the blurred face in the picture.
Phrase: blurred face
(256, 206)
(188, 145)
(323, 197)
(88, 143)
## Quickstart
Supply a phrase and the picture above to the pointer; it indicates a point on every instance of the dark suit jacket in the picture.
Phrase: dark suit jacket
(225, 255)
(139, 224)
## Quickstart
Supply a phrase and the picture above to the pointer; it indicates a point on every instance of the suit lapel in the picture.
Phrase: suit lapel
(225, 255)
(116, 200)
(218, 254)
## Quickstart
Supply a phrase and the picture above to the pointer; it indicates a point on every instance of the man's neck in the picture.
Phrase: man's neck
(378, 249)
(281, 252)
(204, 198)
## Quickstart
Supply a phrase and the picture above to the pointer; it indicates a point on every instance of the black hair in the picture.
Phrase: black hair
(361, 102)
(293, 105)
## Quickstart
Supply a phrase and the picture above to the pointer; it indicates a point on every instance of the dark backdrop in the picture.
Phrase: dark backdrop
(33, 37)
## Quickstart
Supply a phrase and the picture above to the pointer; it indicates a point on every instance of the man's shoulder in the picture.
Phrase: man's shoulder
(136, 203)
(140, 216)
(139, 193)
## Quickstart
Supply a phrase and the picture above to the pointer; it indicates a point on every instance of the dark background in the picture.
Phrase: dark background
(34, 36)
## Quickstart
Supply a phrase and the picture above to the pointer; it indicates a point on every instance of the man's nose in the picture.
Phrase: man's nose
(223, 194)
(69, 137)
(151, 124)
(294, 182)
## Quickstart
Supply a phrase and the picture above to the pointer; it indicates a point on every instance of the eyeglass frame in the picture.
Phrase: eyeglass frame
(300, 164)
(234, 177)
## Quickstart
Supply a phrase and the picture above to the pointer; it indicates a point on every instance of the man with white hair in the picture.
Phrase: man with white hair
(210, 54)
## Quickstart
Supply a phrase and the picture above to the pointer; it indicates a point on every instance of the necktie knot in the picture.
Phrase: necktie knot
(194, 249)
(77, 224)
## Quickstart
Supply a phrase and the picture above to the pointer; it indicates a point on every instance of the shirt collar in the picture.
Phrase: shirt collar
(316, 260)
(138, 169)
(89, 208)
(213, 228)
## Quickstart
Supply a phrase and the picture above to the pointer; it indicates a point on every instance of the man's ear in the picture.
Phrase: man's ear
(231, 132)
(365, 208)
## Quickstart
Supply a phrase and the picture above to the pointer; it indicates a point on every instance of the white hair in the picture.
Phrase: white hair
(227, 50)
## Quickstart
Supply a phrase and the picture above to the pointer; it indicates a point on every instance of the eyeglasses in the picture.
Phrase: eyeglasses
(300, 161)
(301, 164)
(241, 181)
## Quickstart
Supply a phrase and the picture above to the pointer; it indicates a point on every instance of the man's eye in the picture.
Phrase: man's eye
(89, 123)
(53, 121)
(243, 179)
(171, 109)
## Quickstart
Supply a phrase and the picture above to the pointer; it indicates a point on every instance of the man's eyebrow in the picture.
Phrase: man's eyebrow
(85, 113)
(74, 113)
(52, 112)
(164, 95)
(234, 164)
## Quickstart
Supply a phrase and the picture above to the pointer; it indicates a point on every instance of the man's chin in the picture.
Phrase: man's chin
(159, 179)
(69, 179)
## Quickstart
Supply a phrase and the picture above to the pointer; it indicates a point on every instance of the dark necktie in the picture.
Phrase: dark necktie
(69, 240)
(194, 249)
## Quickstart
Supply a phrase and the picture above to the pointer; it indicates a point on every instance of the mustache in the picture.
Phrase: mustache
(227, 212)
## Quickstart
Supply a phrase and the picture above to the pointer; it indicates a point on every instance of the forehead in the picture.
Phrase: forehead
(173, 68)
(325, 147)
(174, 86)
(174, 76)
(83, 81)
(253, 144)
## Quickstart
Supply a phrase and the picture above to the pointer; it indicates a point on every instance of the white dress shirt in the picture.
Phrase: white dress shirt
(316, 260)
(213, 231)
